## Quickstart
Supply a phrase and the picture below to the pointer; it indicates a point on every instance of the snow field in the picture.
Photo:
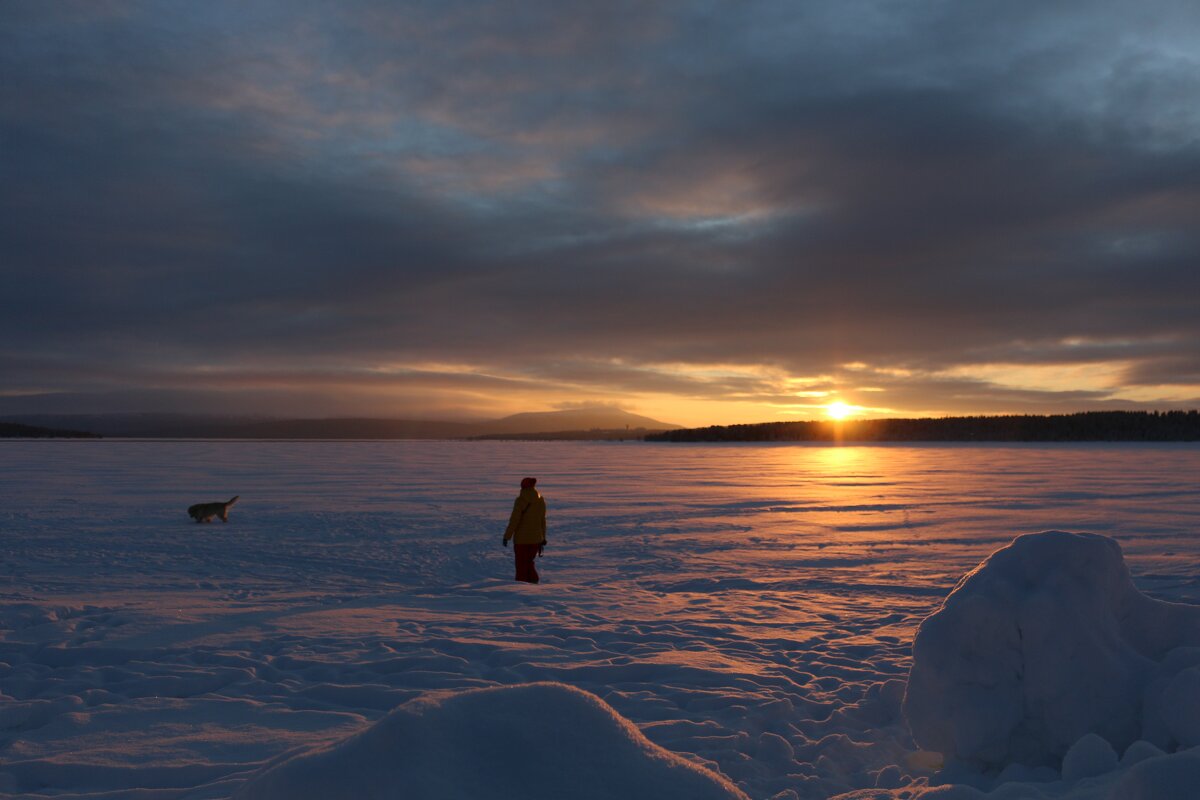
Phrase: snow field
(749, 609)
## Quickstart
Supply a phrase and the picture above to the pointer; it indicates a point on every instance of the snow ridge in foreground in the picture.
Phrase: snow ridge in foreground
(533, 741)
(1048, 641)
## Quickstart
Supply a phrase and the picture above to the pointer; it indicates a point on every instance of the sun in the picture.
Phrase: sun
(838, 410)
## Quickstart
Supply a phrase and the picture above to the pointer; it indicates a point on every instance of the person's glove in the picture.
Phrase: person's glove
(506, 542)
(541, 547)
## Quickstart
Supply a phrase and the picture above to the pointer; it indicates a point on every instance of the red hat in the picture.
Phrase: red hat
(527, 483)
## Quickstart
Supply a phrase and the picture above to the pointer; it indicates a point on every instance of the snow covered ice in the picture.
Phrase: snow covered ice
(748, 610)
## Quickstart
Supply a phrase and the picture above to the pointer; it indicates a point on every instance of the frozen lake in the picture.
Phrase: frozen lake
(750, 607)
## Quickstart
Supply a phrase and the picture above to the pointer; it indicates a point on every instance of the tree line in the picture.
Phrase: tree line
(13, 430)
(1086, 426)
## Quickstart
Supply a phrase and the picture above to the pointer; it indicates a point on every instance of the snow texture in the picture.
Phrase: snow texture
(538, 741)
(748, 608)
(1046, 643)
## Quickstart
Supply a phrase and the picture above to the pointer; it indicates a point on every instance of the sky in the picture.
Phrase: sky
(703, 212)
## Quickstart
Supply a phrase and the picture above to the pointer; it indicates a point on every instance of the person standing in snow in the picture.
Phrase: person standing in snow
(527, 529)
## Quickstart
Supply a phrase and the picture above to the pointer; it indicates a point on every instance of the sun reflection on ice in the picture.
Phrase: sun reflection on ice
(839, 460)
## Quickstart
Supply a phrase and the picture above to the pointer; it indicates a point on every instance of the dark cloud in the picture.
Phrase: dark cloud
(603, 201)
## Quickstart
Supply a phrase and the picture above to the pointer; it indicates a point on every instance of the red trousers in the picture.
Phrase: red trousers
(525, 553)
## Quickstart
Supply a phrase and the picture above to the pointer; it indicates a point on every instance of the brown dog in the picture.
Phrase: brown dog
(204, 512)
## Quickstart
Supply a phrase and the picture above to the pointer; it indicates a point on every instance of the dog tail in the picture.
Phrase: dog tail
(234, 500)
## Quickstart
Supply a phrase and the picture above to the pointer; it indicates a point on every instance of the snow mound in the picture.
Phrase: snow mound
(1045, 642)
(537, 741)
(1091, 755)
(1173, 777)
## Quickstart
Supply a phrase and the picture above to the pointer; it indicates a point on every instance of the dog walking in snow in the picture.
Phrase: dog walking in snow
(204, 512)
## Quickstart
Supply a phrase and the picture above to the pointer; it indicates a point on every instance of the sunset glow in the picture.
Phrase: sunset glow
(744, 400)
(839, 410)
(419, 213)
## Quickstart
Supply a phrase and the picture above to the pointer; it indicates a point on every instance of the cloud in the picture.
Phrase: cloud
(600, 202)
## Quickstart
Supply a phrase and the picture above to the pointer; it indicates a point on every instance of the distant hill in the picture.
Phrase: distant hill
(582, 419)
(13, 430)
(572, 424)
(1089, 426)
(590, 435)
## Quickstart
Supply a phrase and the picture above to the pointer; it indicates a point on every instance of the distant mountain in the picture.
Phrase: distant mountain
(581, 419)
(572, 424)
(591, 435)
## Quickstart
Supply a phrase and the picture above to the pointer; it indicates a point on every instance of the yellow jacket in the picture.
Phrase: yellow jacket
(527, 525)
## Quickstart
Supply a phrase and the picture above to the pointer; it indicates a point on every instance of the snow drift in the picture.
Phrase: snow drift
(1048, 641)
(533, 741)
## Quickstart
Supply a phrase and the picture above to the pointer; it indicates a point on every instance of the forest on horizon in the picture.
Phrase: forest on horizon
(1085, 426)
